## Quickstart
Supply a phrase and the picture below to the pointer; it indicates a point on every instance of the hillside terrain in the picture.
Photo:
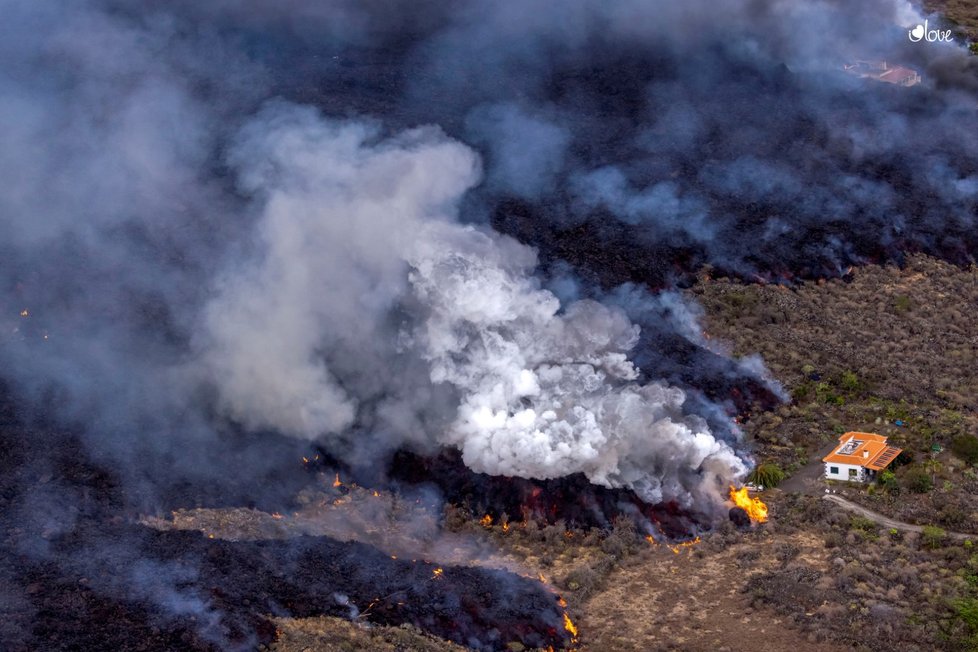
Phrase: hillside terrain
(886, 349)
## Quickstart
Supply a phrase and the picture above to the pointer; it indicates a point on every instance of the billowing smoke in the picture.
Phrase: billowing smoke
(376, 225)
(231, 229)
(362, 268)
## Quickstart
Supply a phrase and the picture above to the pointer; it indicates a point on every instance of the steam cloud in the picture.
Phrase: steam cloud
(377, 225)
(363, 268)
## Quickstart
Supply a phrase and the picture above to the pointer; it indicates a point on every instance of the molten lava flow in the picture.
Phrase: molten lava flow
(756, 509)
(486, 521)
(569, 626)
(336, 482)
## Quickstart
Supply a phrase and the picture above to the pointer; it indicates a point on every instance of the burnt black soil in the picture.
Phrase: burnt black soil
(77, 573)
(123, 587)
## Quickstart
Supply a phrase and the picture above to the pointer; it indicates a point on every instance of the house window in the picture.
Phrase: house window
(852, 473)
(833, 470)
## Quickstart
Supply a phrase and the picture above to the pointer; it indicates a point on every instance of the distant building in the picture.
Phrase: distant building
(859, 457)
(884, 72)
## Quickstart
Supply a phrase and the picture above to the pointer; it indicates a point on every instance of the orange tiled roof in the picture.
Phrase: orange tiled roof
(865, 449)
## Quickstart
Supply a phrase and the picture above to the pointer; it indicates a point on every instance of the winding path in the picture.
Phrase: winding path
(886, 521)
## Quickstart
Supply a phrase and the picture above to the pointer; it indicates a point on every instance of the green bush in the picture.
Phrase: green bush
(966, 447)
(850, 382)
(888, 480)
(918, 481)
(932, 536)
(767, 474)
(902, 303)
(825, 394)
(962, 628)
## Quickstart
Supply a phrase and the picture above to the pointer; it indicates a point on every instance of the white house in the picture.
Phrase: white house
(859, 457)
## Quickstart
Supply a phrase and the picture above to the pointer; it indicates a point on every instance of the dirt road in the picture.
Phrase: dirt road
(886, 521)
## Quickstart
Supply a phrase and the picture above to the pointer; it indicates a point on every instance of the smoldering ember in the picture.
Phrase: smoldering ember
(493, 325)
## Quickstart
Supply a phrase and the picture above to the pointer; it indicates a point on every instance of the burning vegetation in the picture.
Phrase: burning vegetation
(754, 506)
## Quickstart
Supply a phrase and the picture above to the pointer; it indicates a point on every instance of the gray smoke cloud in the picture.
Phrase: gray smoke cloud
(363, 268)
(376, 225)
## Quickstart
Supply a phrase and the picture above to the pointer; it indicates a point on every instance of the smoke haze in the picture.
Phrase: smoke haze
(375, 226)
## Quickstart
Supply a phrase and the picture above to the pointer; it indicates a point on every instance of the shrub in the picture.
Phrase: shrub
(962, 628)
(825, 394)
(952, 515)
(850, 382)
(901, 304)
(767, 474)
(966, 447)
(862, 523)
(932, 536)
(888, 480)
(918, 481)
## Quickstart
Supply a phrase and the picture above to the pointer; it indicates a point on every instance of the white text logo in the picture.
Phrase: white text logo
(924, 33)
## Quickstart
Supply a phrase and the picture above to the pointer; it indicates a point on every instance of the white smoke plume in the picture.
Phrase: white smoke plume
(363, 271)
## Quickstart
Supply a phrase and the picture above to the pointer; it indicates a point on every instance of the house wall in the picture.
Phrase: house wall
(843, 472)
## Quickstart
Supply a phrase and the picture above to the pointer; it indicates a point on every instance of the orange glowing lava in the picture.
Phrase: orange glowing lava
(756, 509)
(570, 626)
(685, 544)
(336, 482)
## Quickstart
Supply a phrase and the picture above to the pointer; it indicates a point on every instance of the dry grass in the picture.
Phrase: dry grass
(887, 345)
(327, 634)
(962, 12)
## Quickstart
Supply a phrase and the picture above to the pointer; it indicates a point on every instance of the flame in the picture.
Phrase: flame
(542, 578)
(756, 509)
(25, 313)
(486, 521)
(435, 574)
(276, 515)
(685, 544)
(336, 482)
(570, 626)
(505, 527)
(650, 539)
(376, 494)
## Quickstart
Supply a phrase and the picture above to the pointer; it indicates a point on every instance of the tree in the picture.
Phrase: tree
(767, 474)
(966, 447)
(932, 536)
